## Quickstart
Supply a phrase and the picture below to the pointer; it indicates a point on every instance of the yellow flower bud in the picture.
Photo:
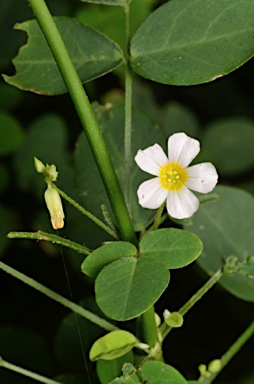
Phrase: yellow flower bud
(54, 205)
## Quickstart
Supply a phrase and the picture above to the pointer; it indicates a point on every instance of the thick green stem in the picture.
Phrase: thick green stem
(85, 212)
(165, 329)
(25, 372)
(87, 119)
(51, 238)
(58, 298)
(231, 352)
(128, 110)
(149, 328)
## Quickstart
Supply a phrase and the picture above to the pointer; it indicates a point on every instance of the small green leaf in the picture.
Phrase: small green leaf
(156, 372)
(128, 287)
(175, 248)
(193, 42)
(105, 255)
(113, 345)
(92, 53)
(174, 320)
(226, 228)
(107, 370)
(11, 134)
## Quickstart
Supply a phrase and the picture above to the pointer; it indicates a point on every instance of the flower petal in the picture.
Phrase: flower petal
(202, 177)
(182, 149)
(151, 194)
(182, 204)
(151, 159)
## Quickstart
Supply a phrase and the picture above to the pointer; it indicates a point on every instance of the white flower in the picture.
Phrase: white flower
(54, 205)
(174, 178)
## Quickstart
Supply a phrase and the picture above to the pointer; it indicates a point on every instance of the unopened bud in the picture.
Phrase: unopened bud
(54, 205)
(214, 366)
(39, 166)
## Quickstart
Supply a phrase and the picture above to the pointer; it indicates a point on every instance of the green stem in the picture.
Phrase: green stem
(58, 298)
(157, 218)
(87, 119)
(85, 212)
(51, 238)
(149, 328)
(128, 110)
(165, 329)
(25, 372)
(231, 352)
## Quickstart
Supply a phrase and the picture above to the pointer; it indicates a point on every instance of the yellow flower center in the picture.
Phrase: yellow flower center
(173, 176)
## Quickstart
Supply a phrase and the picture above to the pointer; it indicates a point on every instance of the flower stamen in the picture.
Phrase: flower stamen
(173, 176)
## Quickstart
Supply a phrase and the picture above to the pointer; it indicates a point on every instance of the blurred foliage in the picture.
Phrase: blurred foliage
(34, 331)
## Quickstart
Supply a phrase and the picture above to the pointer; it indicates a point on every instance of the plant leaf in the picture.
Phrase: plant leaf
(112, 345)
(92, 53)
(194, 41)
(226, 227)
(107, 370)
(156, 372)
(128, 287)
(175, 248)
(106, 254)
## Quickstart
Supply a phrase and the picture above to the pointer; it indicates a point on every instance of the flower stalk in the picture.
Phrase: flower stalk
(231, 352)
(26, 372)
(54, 239)
(58, 298)
(165, 329)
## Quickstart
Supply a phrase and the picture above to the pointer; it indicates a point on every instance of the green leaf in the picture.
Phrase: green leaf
(11, 134)
(112, 345)
(194, 41)
(226, 227)
(92, 53)
(174, 320)
(235, 153)
(106, 254)
(111, 21)
(128, 287)
(91, 188)
(156, 372)
(107, 370)
(175, 248)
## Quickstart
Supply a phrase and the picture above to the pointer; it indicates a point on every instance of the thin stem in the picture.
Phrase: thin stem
(87, 119)
(157, 218)
(51, 238)
(58, 298)
(165, 329)
(231, 352)
(86, 213)
(25, 372)
(128, 110)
